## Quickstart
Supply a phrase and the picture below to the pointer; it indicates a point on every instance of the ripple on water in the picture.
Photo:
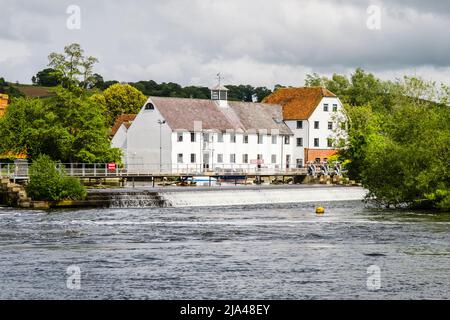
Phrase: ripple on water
(264, 251)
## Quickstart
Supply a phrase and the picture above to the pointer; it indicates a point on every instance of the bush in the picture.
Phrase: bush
(48, 183)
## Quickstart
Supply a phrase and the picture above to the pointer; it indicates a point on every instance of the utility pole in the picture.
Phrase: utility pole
(160, 122)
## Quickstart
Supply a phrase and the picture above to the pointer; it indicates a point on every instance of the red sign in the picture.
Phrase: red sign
(111, 166)
(257, 161)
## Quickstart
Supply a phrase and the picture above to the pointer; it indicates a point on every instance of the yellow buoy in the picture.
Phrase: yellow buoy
(320, 210)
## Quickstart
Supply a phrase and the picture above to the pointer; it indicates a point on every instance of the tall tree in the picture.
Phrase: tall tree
(72, 66)
(119, 99)
(68, 127)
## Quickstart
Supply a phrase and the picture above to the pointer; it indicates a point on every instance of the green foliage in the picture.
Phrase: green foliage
(10, 90)
(170, 89)
(401, 152)
(68, 127)
(48, 78)
(72, 67)
(119, 99)
(48, 183)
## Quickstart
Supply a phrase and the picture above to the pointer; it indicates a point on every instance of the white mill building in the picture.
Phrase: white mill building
(177, 135)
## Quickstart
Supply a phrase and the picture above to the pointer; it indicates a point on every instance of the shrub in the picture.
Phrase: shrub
(48, 183)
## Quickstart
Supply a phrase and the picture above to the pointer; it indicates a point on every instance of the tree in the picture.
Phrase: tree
(315, 80)
(119, 99)
(73, 67)
(401, 153)
(68, 127)
(48, 77)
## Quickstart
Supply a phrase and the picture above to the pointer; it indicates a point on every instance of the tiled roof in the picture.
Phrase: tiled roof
(298, 103)
(125, 119)
(181, 114)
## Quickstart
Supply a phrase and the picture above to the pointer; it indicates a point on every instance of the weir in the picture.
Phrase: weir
(128, 199)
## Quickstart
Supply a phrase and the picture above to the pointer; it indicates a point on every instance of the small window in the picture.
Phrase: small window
(287, 139)
(330, 125)
(259, 156)
(232, 158)
(330, 143)
(149, 106)
(245, 138)
(316, 124)
(232, 137)
(260, 138)
(180, 158)
(193, 158)
(299, 124)
(180, 136)
(193, 137)
(316, 142)
(325, 107)
(334, 107)
(220, 158)
(220, 137)
(299, 142)
(245, 158)
(299, 163)
(274, 139)
(274, 158)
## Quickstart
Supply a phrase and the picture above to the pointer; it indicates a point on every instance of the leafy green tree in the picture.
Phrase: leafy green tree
(68, 127)
(119, 99)
(72, 67)
(315, 80)
(49, 183)
(48, 77)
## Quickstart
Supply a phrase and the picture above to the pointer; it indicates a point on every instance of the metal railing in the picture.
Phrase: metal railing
(94, 170)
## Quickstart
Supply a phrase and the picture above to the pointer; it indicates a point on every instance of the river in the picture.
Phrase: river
(280, 251)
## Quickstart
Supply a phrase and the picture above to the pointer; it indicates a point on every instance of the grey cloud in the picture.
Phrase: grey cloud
(188, 41)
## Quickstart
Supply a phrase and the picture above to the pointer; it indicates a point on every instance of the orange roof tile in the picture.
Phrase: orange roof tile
(298, 103)
(122, 119)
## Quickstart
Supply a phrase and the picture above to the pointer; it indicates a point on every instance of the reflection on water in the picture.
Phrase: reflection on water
(257, 252)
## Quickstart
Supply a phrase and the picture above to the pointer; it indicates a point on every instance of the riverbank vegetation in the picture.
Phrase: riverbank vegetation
(47, 183)
(398, 138)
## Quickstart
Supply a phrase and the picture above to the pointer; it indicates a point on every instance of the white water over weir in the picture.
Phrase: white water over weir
(262, 196)
(132, 199)
(176, 197)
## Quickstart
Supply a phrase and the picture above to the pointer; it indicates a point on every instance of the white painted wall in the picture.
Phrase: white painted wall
(120, 141)
(226, 148)
(308, 133)
(323, 133)
(143, 152)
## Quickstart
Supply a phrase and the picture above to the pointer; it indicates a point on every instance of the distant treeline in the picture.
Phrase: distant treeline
(50, 78)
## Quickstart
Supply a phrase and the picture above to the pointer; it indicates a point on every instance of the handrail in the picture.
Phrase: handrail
(94, 170)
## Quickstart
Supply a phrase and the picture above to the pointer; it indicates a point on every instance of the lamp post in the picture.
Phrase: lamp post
(160, 122)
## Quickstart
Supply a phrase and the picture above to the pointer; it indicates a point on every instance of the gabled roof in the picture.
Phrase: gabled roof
(181, 114)
(125, 119)
(298, 103)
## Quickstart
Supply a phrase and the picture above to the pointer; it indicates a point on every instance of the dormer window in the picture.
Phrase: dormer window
(149, 106)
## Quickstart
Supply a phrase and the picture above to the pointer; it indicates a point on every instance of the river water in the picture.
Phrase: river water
(255, 252)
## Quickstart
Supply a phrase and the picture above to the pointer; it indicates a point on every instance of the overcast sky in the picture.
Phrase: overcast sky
(257, 42)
